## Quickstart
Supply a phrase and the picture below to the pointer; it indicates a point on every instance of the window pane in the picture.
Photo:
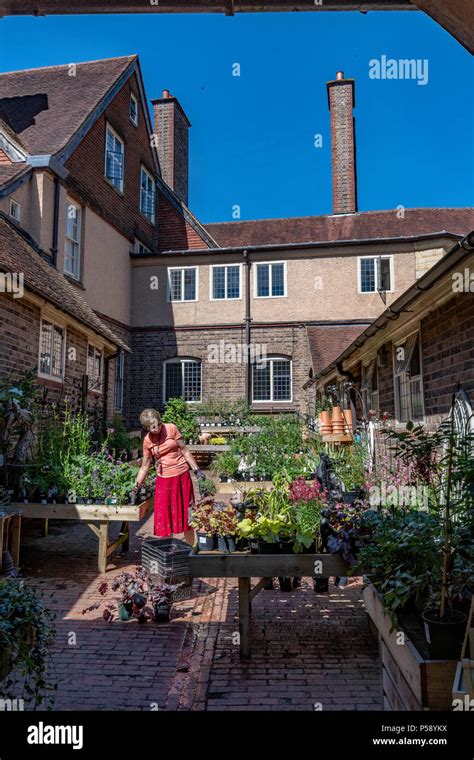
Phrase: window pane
(218, 282)
(367, 275)
(175, 284)
(403, 391)
(118, 387)
(233, 282)
(57, 352)
(192, 381)
(416, 400)
(281, 380)
(278, 280)
(45, 347)
(415, 367)
(263, 280)
(261, 382)
(384, 274)
(189, 284)
(173, 380)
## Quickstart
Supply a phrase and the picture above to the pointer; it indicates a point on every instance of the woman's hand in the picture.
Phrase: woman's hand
(142, 472)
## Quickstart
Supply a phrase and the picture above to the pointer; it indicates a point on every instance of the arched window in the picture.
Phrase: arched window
(271, 379)
(182, 378)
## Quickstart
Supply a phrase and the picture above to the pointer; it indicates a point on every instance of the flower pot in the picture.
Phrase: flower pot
(226, 544)
(336, 414)
(444, 637)
(267, 547)
(286, 546)
(349, 496)
(124, 614)
(285, 584)
(205, 542)
(162, 613)
(254, 547)
(347, 415)
(321, 585)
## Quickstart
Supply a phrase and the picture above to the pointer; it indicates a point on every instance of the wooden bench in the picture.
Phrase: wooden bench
(245, 566)
(97, 517)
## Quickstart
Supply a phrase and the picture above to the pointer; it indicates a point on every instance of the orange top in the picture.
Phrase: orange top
(164, 447)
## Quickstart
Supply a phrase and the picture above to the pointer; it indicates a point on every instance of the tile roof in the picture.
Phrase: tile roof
(343, 227)
(11, 171)
(18, 253)
(45, 107)
(326, 342)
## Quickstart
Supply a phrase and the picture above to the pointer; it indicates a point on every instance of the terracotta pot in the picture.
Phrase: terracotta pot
(336, 414)
(347, 420)
(337, 427)
(325, 418)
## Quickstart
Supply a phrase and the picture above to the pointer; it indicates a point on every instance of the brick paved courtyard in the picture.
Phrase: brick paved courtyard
(309, 651)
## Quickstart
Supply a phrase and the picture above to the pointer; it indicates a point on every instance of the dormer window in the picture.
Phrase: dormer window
(133, 109)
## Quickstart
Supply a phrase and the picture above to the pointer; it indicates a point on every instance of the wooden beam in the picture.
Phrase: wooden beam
(48, 7)
(87, 512)
(214, 565)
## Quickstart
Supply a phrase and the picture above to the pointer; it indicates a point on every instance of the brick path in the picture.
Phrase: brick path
(309, 651)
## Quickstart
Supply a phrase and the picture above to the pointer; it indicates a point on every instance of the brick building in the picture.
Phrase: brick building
(419, 352)
(103, 195)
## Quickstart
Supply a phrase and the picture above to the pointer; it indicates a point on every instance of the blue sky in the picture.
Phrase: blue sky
(252, 139)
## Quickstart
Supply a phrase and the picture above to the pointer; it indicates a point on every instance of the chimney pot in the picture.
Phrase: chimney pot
(166, 94)
(339, 75)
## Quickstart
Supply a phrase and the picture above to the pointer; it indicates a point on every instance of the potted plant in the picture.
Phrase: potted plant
(162, 596)
(224, 523)
(202, 522)
(26, 636)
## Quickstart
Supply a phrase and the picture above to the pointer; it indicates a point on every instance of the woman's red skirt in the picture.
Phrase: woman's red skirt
(173, 497)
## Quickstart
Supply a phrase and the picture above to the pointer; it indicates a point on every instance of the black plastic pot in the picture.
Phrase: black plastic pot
(254, 546)
(285, 584)
(349, 496)
(226, 544)
(265, 547)
(310, 550)
(321, 585)
(444, 637)
(286, 547)
(162, 613)
(205, 543)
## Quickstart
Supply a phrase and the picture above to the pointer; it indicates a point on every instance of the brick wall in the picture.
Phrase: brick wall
(171, 128)
(447, 335)
(151, 347)
(86, 166)
(341, 104)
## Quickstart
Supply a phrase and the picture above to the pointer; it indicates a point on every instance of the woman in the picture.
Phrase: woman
(174, 493)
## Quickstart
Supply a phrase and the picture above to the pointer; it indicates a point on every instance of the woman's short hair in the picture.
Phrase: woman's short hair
(148, 415)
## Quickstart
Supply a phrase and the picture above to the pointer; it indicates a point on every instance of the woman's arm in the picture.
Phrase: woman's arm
(143, 471)
(187, 455)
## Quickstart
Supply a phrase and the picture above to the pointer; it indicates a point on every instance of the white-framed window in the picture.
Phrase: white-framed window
(52, 346)
(225, 282)
(72, 240)
(408, 379)
(114, 158)
(369, 387)
(141, 247)
(182, 378)
(15, 209)
(375, 273)
(270, 280)
(133, 109)
(95, 361)
(118, 382)
(272, 379)
(147, 195)
(182, 284)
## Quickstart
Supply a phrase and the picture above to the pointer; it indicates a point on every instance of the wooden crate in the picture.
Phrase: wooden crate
(409, 682)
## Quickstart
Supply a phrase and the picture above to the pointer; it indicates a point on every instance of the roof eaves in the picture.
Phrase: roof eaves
(181, 207)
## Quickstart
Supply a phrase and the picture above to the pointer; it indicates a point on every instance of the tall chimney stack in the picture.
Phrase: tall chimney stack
(171, 129)
(341, 104)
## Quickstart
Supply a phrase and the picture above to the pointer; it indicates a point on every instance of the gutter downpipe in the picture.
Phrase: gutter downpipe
(247, 320)
(54, 244)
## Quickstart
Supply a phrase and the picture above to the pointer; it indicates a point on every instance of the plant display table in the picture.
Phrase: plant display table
(245, 566)
(10, 532)
(97, 517)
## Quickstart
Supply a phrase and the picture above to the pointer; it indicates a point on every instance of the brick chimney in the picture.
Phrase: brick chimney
(171, 129)
(341, 104)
